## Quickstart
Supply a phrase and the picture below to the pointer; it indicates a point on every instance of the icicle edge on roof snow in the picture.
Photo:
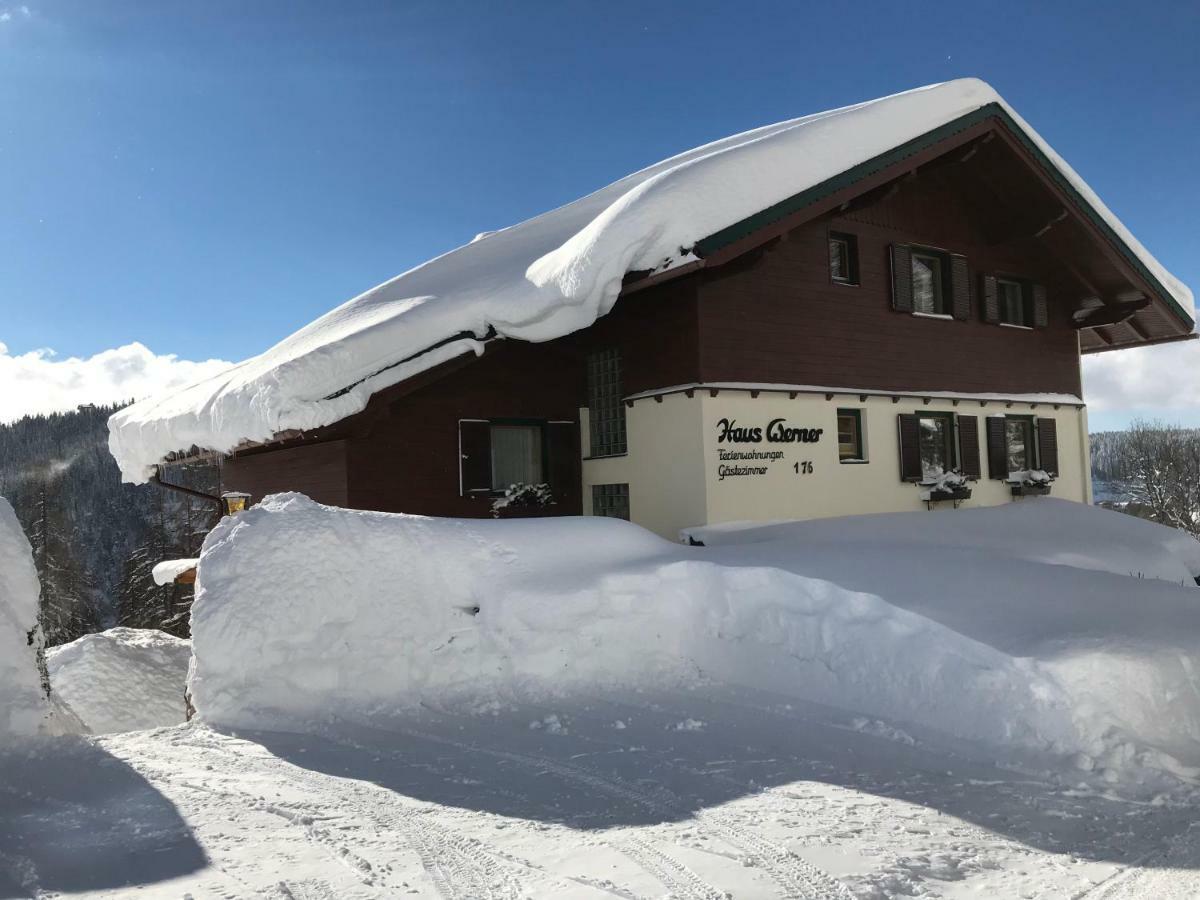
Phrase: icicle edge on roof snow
(554, 274)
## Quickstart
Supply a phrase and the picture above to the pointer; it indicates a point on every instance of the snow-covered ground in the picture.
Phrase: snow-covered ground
(123, 679)
(687, 794)
(979, 703)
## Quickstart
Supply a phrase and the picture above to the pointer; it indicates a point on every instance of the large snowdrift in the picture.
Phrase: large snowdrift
(305, 612)
(546, 277)
(24, 709)
(123, 679)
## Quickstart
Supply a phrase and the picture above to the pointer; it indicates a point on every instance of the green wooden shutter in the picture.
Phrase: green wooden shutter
(562, 458)
(1041, 316)
(474, 456)
(1047, 440)
(960, 287)
(902, 299)
(997, 449)
(991, 302)
(910, 447)
(968, 447)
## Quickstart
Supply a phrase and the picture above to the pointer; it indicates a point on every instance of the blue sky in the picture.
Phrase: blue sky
(206, 177)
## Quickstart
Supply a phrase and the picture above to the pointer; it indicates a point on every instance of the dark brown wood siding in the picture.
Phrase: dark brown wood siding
(318, 470)
(404, 451)
(407, 458)
(784, 320)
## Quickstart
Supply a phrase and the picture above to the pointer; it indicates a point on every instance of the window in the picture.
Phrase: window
(928, 277)
(611, 500)
(936, 438)
(850, 436)
(516, 455)
(1013, 303)
(606, 411)
(1018, 443)
(843, 258)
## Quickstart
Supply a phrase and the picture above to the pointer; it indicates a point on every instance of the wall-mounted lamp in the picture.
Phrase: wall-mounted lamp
(234, 502)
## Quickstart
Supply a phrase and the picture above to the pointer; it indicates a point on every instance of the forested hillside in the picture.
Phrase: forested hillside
(95, 540)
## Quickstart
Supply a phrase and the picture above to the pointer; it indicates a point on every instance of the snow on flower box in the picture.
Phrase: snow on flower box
(1034, 483)
(942, 486)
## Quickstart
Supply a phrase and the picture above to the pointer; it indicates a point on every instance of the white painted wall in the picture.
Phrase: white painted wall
(834, 488)
(664, 468)
(673, 467)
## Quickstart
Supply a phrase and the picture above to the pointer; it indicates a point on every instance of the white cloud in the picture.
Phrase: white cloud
(40, 381)
(1151, 381)
(8, 13)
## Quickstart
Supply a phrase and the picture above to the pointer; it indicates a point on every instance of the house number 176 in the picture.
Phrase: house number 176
(803, 468)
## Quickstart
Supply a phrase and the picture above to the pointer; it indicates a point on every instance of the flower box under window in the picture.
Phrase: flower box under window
(937, 495)
(1030, 483)
(941, 487)
(1030, 490)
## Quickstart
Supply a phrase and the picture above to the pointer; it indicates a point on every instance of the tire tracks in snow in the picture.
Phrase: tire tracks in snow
(678, 879)
(457, 865)
(681, 882)
(797, 877)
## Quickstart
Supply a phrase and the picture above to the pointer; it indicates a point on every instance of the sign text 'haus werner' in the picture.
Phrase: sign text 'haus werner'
(777, 431)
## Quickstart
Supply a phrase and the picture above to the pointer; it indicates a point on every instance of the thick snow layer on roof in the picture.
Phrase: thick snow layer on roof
(24, 709)
(123, 679)
(543, 278)
(1023, 626)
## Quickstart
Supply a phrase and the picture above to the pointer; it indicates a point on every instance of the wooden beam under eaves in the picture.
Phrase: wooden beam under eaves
(1110, 314)
(1138, 327)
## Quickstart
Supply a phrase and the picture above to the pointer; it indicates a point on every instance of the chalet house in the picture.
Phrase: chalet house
(817, 318)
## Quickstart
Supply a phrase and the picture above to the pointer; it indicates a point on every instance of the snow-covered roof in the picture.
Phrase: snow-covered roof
(552, 275)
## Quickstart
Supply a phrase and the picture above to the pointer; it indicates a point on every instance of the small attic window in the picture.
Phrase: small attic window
(843, 258)
(1014, 302)
(928, 280)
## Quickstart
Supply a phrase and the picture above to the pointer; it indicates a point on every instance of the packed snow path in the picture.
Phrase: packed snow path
(701, 794)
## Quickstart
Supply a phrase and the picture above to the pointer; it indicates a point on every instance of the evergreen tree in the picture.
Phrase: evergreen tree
(95, 539)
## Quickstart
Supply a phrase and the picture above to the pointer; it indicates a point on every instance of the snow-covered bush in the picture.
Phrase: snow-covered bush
(24, 705)
(522, 496)
(123, 679)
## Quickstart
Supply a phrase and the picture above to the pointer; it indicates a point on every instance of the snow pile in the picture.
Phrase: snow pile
(1045, 530)
(123, 679)
(546, 277)
(24, 709)
(305, 613)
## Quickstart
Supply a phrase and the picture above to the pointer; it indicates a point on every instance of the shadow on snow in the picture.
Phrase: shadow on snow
(75, 818)
(679, 753)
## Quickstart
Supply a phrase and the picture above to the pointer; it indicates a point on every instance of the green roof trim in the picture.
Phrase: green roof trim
(738, 230)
